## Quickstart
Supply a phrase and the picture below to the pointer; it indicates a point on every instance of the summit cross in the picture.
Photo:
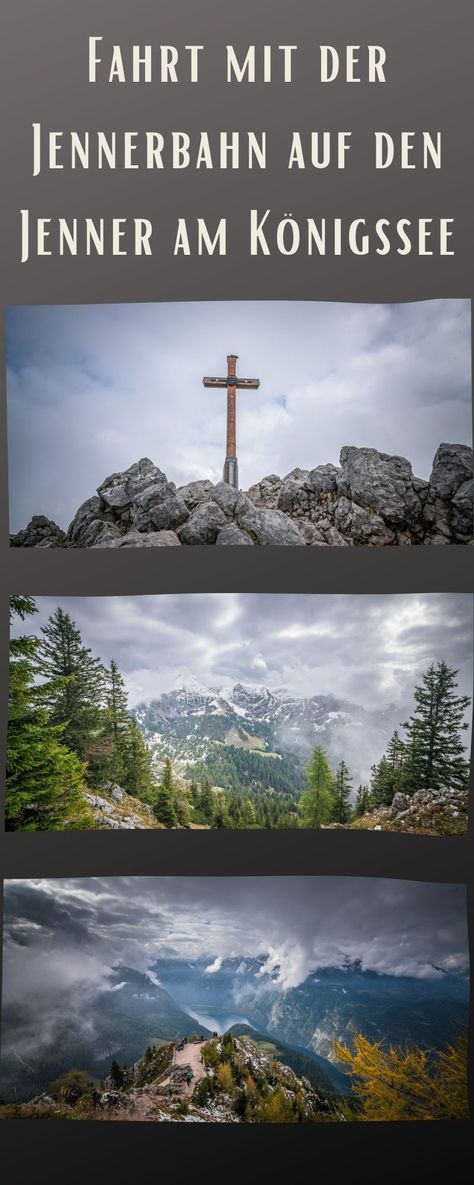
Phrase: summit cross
(232, 384)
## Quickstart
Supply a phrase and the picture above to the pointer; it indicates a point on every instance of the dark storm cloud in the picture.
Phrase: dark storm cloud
(93, 388)
(299, 923)
(370, 649)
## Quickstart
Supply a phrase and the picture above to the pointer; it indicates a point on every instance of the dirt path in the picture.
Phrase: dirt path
(191, 1056)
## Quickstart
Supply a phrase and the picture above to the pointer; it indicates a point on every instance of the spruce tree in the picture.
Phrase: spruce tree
(137, 771)
(317, 802)
(44, 782)
(362, 802)
(381, 784)
(75, 679)
(342, 810)
(435, 755)
(164, 806)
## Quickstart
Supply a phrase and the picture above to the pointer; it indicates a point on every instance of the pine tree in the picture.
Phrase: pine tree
(317, 802)
(362, 802)
(75, 679)
(164, 806)
(137, 771)
(116, 1074)
(342, 810)
(206, 802)
(381, 784)
(45, 782)
(115, 723)
(435, 755)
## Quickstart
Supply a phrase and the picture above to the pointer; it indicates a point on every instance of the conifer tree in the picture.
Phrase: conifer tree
(341, 809)
(362, 802)
(317, 801)
(137, 771)
(75, 680)
(206, 802)
(45, 782)
(164, 806)
(381, 784)
(435, 755)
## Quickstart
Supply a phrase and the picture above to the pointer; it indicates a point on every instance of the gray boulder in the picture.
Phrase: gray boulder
(232, 536)
(361, 525)
(380, 483)
(266, 491)
(204, 524)
(449, 507)
(40, 532)
(120, 489)
(91, 512)
(142, 509)
(195, 492)
(143, 539)
(270, 528)
(169, 514)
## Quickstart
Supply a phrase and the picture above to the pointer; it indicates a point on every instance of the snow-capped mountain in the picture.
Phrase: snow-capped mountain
(192, 723)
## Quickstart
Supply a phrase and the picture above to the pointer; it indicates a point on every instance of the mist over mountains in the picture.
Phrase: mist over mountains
(193, 723)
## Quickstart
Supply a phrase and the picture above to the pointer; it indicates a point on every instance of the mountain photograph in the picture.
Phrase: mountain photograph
(234, 1000)
(230, 711)
(332, 425)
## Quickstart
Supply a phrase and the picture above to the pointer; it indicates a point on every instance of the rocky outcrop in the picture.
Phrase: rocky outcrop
(443, 811)
(112, 809)
(370, 499)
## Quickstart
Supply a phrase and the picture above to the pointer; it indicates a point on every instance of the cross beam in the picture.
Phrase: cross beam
(233, 384)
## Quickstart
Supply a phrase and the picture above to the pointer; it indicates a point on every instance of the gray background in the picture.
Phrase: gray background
(429, 45)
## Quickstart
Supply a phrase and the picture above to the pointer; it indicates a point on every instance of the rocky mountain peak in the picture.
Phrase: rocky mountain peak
(371, 499)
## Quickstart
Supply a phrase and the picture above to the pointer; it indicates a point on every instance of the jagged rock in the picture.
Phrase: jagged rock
(100, 534)
(204, 524)
(373, 499)
(270, 528)
(361, 525)
(231, 501)
(143, 539)
(265, 492)
(40, 532)
(119, 490)
(195, 492)
(169, 514)
(112, 809)
(88, 522)
(449, 504)
(232, 536)
(380, 483)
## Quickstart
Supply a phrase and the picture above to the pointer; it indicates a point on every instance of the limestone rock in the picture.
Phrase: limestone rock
(40, 532)
(380, 483)
(169, 514)
(204, 524)
(270, 528)
(143, 539)
(119, 490)
(195, 492)
(372, 499)
(265, 492)
(232, 536)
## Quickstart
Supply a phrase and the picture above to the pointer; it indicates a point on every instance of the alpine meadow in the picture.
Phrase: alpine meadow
(218, 711)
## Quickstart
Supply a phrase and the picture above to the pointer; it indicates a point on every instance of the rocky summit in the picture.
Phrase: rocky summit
(370, 498)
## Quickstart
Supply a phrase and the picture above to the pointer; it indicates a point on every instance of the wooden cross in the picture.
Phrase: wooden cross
(233, 384)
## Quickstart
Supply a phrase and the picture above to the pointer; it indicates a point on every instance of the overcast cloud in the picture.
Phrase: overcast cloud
(63, 936)
(369, 649)
(91, 389)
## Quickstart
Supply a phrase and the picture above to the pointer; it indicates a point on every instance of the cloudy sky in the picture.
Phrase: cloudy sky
(370, 649)
(91, 389)
(62, 936)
